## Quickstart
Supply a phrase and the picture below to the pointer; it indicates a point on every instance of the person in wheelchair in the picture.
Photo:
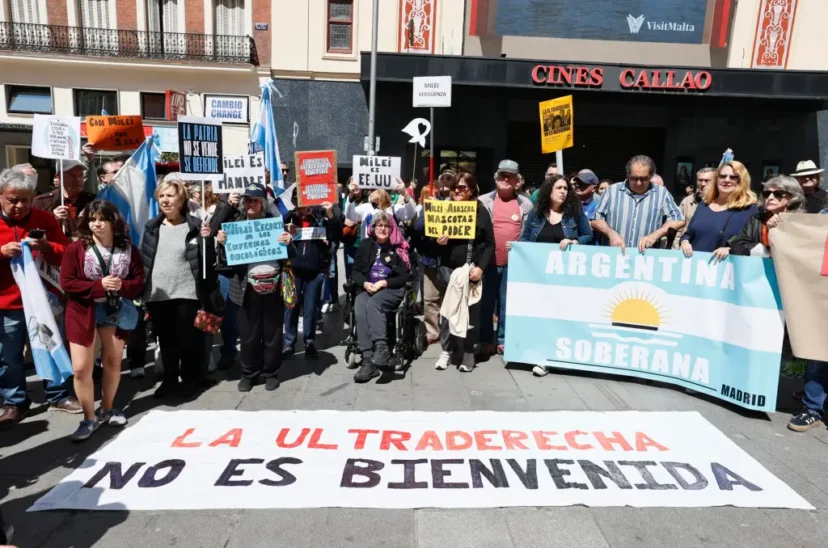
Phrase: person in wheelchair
(381, 269)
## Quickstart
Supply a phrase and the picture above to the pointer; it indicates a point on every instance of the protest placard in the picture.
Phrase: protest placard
(457, 220)
(659, 316)
(557, 119)
(311, 233)
(240, 172)
(56, 137)
(376, 171)
(196, 460)
(115, 132)
(799, 246)
(254, 241)
(316, 177)
(200, 149)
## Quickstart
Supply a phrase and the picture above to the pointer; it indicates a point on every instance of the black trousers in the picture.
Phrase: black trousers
(182, 344)
(136, 346)
(453, 344)
(261, 318)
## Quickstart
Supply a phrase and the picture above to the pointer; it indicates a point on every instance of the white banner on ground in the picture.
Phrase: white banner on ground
(189, 460)
(376, 171)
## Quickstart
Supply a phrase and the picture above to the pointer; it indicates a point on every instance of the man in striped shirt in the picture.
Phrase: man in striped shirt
(635, 212)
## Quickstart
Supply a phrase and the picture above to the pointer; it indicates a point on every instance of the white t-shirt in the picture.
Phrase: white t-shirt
(363, 214)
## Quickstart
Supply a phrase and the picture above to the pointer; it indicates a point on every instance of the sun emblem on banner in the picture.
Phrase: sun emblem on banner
(636, 308)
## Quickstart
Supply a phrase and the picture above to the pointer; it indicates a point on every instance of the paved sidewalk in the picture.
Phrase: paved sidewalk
(37, 454)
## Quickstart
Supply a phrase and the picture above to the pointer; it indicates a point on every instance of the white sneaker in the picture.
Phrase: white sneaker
(467, 365)
(325, 308)
(540, 371)
(137, 373)
(443, 361)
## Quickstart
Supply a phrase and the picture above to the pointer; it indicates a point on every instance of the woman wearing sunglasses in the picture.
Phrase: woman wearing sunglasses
(780, 194)
(726, 208)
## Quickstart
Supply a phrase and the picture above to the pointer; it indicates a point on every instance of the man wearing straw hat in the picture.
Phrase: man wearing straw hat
(810, 179)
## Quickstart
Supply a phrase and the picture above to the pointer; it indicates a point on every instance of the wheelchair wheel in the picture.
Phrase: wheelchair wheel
(350, 359)
(420, 342)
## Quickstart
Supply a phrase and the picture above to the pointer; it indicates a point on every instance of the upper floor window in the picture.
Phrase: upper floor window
(340, 26)
(28, 99)
(95, 102)
(95, 14)
(230, 18)
(153, 106)
(162, 15)
(26, 11)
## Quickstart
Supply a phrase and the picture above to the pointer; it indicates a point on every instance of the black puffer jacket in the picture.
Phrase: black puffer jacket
(750, 237)
(207, 289)
(366, 256)
(315, 255)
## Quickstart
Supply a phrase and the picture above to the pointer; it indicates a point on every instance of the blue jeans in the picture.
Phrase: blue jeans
(331, 293)
(494, 296)
(816, 385)
(229, 322)
(308, 296)
(350, 257)
(13, 337)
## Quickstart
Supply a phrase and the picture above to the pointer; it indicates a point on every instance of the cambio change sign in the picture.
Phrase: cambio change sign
(187, 460)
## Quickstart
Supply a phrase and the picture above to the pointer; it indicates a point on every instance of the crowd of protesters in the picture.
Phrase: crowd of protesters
(180, 275)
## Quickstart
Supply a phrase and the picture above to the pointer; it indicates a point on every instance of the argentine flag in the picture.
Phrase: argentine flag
(133, 189)
(263, 137)
(51, 360)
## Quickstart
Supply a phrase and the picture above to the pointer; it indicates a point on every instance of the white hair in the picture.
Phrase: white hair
(15, 179)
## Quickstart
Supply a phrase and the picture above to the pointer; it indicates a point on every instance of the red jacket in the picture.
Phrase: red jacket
(16, 231)
(81, 292)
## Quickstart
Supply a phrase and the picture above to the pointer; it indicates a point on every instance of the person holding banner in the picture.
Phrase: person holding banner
(74, 197)
(380, 272)
(257, 290)
(470, 255)
(101, 274)
(780, 194)
(727, 207)
(41, 230)
(177, 287)
(351, 230)
(379, 200)
(310, 264)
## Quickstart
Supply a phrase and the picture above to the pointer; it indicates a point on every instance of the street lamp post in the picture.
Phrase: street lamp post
(372, 88)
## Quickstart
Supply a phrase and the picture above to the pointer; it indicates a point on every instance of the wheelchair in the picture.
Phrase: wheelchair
(407, 339)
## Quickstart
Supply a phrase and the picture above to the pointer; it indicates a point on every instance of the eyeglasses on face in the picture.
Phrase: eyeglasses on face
(382, 227)
(460, 188)
(729, 177)
(639, 179)
(778, 194)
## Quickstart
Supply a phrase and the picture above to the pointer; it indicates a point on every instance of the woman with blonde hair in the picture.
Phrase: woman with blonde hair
(728, 206)
(178, 286)
(380, 200)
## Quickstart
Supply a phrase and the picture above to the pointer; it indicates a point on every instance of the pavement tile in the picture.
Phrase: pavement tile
(551, 392)
(202, 529)
(270, 528)
(554, 528)
(215, 401)
(644, 528)
(810, 529)
(478, 528)
(100, 529)
(370, 528)
(736, 528)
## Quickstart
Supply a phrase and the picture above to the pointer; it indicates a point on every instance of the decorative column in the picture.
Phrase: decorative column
(417, 26)
(773, 33)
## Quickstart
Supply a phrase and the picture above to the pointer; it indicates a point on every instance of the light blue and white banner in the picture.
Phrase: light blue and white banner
(716, 328)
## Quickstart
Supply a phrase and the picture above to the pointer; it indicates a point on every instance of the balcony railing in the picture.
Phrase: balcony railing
(133, 44)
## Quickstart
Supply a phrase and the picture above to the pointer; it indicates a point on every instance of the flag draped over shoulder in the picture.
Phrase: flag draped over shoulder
(133, 189)
(263, 138)
(50, 357)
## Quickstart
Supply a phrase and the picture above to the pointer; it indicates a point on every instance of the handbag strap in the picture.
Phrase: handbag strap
(722, 233)
(104, 264)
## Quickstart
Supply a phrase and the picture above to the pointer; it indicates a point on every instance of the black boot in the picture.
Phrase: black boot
(381, 354)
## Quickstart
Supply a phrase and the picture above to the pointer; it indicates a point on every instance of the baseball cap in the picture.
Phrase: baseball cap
(587, 177)
(508, 166)
(67, 165)
(255, 190)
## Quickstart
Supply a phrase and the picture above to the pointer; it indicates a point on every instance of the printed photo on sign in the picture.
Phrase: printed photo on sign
(200, 149)
(659, 316)
(194, 460)
(115, 132)
(376, 171)
(311, 233)
(556, 124)
(316, 177)
(457, 220)
(254, 241)
(240, 172)
(56, 137)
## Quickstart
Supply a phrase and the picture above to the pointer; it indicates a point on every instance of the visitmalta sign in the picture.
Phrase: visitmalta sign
(622, 78)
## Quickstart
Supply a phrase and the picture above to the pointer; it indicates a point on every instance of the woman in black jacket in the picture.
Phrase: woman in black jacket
(780, 194)
(177, 287)
(381, 269)
(454, 254)
(309, 267)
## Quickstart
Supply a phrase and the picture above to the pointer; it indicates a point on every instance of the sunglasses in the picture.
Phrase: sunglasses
(730, 177)
(460, 188)
(778, 194)
(639, 179)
